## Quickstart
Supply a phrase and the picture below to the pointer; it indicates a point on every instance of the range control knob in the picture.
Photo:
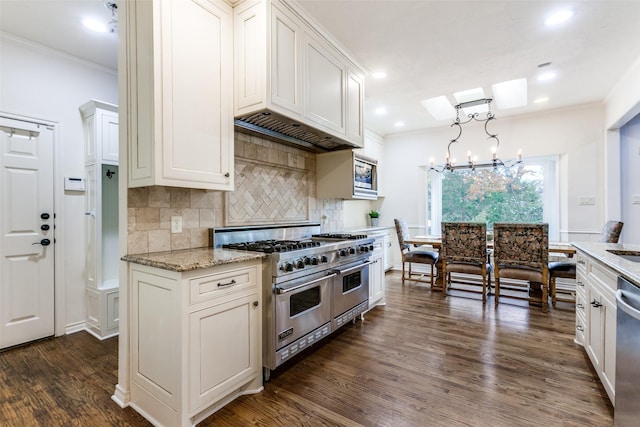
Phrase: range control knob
(324, 259)
(343, 252)
(352, 251)
(306, 260)
(314, 261)
(371, 247)
(287, 266)
(299, 263)
(363, 249)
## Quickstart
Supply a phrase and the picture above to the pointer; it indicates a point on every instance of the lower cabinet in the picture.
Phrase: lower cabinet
(196, 340)
(376, 274)
(595, 290)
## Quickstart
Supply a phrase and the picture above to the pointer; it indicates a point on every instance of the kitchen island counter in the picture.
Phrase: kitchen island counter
(600, 251)
(192, 259)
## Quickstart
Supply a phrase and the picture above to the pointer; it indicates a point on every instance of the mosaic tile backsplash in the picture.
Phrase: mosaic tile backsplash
(275, 184)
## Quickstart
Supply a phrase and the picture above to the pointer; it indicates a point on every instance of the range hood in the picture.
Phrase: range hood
(279, 128)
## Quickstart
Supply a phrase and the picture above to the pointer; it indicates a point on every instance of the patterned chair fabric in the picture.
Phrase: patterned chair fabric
(464, 250)
(409, 255)
(521, 251)
(610, 233)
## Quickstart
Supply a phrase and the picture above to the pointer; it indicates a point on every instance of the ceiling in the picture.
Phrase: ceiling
(427, 48)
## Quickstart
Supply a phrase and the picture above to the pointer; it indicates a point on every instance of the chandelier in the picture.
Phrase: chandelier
(472, 162)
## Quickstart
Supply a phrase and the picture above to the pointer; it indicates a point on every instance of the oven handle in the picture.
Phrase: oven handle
(281, 291)
(357, 267)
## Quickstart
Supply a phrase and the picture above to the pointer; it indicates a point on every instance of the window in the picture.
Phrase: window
(528, 193)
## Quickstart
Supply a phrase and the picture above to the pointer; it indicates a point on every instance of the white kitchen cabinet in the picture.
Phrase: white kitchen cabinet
(100, 121)
(376, 275)
(286, 67)
(600, 284)
(179, 97)
(196, 340)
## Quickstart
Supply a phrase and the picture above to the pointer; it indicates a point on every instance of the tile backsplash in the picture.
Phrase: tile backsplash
(275, 184)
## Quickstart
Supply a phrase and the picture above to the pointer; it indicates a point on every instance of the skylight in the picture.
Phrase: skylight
(510, 94)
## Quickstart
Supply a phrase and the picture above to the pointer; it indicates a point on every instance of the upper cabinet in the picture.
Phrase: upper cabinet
(179, 96)
(101, 132)
(291, 73)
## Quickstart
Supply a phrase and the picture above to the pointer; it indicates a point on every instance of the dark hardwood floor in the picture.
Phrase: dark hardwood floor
(422, 360)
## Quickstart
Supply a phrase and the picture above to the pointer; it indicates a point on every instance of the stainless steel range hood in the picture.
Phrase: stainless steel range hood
(276, 127)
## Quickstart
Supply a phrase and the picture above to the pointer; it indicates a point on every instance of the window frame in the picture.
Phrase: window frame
(550, 196)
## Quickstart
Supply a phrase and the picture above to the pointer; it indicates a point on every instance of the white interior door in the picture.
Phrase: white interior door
(26, 232)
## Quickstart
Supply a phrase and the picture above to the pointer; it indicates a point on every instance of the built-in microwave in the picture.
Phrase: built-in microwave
(365, 178)
(346, 174)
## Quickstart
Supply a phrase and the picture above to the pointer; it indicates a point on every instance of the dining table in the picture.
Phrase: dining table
(562, 248)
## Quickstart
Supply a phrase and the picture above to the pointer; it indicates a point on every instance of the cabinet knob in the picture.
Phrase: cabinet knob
(226, 175)
(596, 303)
(255, 303)
(580, 328)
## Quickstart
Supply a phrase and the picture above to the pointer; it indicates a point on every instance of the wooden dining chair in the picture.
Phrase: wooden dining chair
(410, 255)
(521, 251)
(610, 233)
(464, 250)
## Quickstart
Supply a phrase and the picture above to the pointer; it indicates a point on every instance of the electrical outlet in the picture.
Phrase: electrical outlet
(176, 224)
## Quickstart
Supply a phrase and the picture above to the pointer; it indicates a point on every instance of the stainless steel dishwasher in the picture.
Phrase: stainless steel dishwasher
(627, 409)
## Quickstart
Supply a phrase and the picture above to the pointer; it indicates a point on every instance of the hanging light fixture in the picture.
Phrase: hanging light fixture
(472, 162)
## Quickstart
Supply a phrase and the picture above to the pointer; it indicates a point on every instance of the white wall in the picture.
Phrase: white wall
(630, 180)
(575, 134)
(44, 84)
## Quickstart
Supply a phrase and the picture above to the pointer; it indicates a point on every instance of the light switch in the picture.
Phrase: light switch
(176, 224)
(635, 199)
(587, 200)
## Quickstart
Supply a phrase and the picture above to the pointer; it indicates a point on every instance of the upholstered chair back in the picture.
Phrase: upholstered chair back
(611, 232)
(464, 242)
(521, 245)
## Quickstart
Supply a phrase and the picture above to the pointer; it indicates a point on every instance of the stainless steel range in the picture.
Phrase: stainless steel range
(312, 283)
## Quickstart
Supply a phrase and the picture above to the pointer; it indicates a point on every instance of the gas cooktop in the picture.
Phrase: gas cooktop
(272, 245)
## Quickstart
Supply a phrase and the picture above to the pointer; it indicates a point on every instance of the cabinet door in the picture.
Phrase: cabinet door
(608, 359)
(376, 278)
(109, 136)
(594, 339)
(286, 39)
(224, 352)
(324, 86)
(197, 76)
(388, 260)
(355, 105)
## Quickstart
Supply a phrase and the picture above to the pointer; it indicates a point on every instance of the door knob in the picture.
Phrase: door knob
(43, 242)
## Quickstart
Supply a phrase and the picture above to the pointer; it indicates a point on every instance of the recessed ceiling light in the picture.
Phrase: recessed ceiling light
(378, 74)
(549, 75)
(96, 26)
(558, 17)
(439, 107)
(398, 124)
(381, 110)
(541, 100)
(510, 94)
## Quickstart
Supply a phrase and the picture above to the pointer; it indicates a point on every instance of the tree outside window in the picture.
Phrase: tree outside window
(523, 193)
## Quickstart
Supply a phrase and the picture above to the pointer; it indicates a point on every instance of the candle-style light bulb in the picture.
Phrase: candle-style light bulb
(431, 162)
(494, 151)
(520, 155)
(469, 156)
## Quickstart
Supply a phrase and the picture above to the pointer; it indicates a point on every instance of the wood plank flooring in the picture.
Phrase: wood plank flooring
(422, 360)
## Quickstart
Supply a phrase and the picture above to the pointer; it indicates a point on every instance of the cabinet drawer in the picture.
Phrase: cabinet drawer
(581, 263)
(607, 278)
(580, 326)
(220, 285)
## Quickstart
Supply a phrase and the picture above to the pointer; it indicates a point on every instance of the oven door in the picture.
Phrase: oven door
(350, 287)
(301, 306)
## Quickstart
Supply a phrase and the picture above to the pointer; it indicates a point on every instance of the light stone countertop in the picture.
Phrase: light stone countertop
(629, 269)
(192, 259)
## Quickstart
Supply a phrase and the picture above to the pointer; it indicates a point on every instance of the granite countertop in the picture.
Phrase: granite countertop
(192, 259)
(624, 267)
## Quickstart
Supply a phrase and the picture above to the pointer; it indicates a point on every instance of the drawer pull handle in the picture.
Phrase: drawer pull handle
(580, 284)
(596, 304)
(581, 261)
(580, 306)
(232, 282)
(580, 328)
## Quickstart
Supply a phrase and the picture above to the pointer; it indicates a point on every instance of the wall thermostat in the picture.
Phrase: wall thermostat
(74, 184)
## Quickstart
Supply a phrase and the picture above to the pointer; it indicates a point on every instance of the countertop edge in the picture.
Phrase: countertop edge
(628, 269)
(191, 259)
